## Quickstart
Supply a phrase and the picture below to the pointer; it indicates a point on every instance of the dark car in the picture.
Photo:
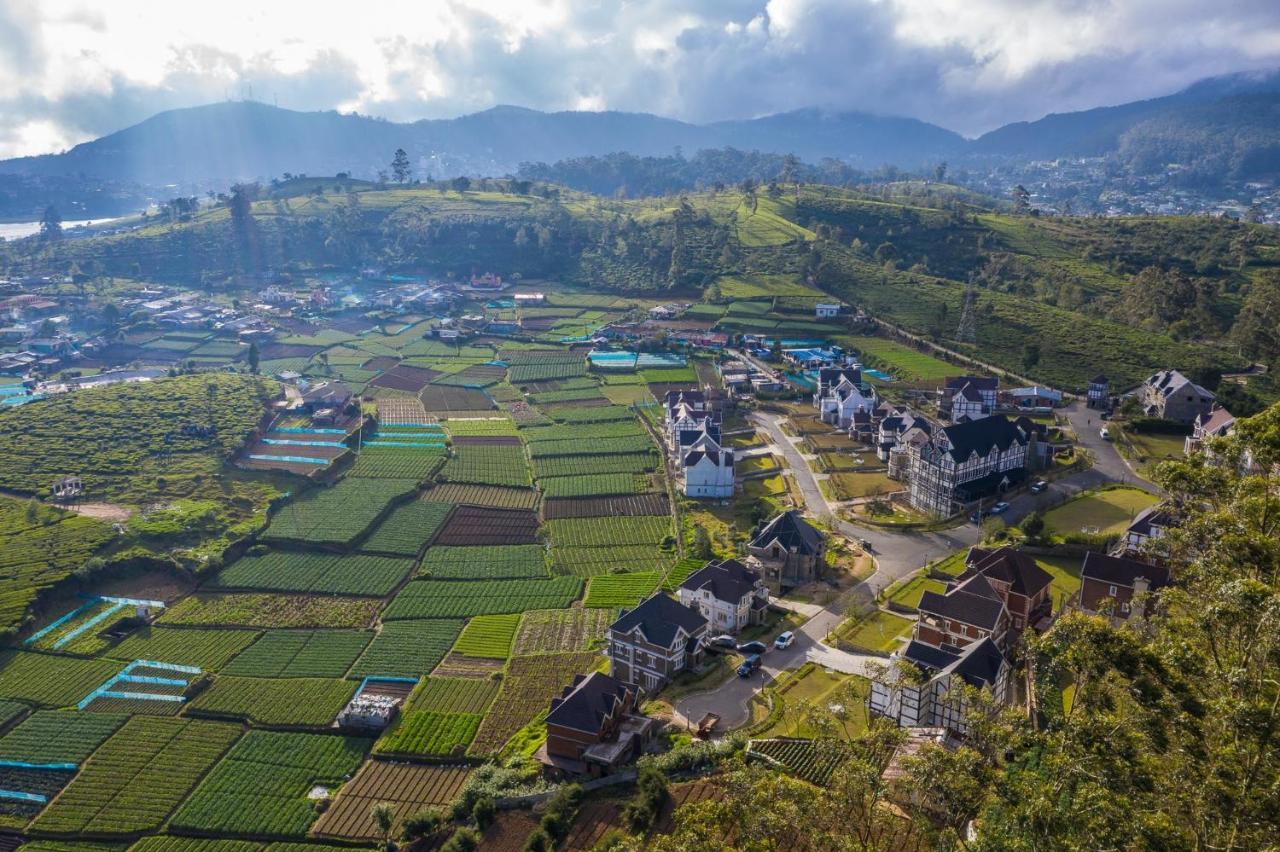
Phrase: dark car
(756, 648)
(977, 517)
(749, 665)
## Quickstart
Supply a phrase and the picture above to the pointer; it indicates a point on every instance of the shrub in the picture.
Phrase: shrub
(422, 824)
(651, 794)
(539, 841)
(463, 840)
(483, 812)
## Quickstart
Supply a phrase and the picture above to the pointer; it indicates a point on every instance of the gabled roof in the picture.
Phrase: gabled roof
(729, 580)
(1216, 422)
(974, 602)
(1100, 379)
(792, 531)
(1155, 517)
(1169, 382)
(981, 436)
(1117, 571)
(978, 663)
(660, 618)
(1013, 567)
(970, 393)
(591, 700)
(978, 382)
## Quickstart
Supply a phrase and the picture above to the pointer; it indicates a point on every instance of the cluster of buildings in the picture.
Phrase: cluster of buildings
(692, 427)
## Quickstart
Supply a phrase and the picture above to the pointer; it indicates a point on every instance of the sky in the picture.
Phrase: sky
(72, 70)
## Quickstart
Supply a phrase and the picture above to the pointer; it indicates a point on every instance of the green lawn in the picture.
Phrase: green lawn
(879, 631)
(905, 363)
(819, 686)
(1151, 449)
(1107, 511)
(953, 565)
(848, 486)
(762, 286)
(1066, 576)
(910, 592)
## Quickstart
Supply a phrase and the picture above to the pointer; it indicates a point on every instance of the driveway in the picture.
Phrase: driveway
(1106, 458)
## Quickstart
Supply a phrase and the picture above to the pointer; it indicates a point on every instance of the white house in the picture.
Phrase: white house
(826, 310)
(842, 401)
(708, 469)
(729, 595)
(932, 698)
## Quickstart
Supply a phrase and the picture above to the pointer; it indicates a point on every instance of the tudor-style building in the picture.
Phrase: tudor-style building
(1148, 526)
(1216, 424)
(654, 642)
(971, 397)
(1099, 393)
(965, 462)
(843, 401)
(789, 550)
(730, 595)
(1022, 584)
(1109, 584)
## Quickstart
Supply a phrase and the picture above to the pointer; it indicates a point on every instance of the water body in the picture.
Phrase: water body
(18, 230)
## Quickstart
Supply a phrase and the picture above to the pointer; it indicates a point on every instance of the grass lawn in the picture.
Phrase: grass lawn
(1151, 449)
(761, 286)
(819, 686)
(1066, 576)
(757, 463)
(904, 362)
(910, 592)
(879, 631)
(953, 565)
(1107, 511)
(851, 485)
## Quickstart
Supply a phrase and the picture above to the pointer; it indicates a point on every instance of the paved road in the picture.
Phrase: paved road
(1107, 460)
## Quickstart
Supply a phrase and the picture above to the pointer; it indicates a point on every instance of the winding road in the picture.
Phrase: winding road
(897, 554)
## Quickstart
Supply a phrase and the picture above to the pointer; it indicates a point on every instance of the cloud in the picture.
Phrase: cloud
(75, 69)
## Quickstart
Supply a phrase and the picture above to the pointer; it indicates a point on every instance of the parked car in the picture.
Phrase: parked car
(865, 544)
(976, 517)
(1000, 508)
(1038, 486)
(755, 648)
(749, 665)
(724, 640)
(784, 640)
(1105, 433)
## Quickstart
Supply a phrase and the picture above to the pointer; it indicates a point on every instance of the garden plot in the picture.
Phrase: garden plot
(609, 532)
(591, 466)
(379, 459)
(556, 631)
(499, 426)
(456, 666)
(406, 378)
(143, 687)
(300, 653)
(357, 574)
(28, 790)
(486, 441)
(137, 777)
(640, 505)
(292, 703)
(579, 396)
(520, 374)
(527, 689)
(490, 496)
(408, 529)
(61, 737)
(455, 695)
(408, 788)
(611, 591)
(261, 787)
(474, 376)
(407, 648)
(488, 636)
(595, 485)
(597, 414)
(471, 525)
(337, 515)
(488, 466)
(49, 680)
(497, 562)
(594, 561)
(562, 432)
(426, 733)
(265, 611)
(464, 599)
(811, 760)
(591, 447)
(443, 400)
(402, 411)
(206, 649)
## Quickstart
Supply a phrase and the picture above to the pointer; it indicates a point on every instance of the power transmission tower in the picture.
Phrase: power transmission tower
(968, 330)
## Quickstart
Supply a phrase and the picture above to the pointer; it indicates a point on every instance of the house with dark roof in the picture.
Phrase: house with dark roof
(1116, 586)
(970, 397)
(654, 642)
(333, 395)
(1149, 525)
(1022, 584)
(593, 728)
(843, 400)
(789, 550)
(965, 462)
(1170, 395)
(729, 594)
(968, 611)
(921, 686)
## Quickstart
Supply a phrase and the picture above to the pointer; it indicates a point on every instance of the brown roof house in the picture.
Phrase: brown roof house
(654, 642)
(593, 728)
(1018, 579)
(1115, 586)
(789, 550)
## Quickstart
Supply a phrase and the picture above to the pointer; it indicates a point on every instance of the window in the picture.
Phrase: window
(1017, 622)
(1111, 590)
(1124, 607)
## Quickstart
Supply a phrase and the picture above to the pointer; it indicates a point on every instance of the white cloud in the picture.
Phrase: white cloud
(74, 69)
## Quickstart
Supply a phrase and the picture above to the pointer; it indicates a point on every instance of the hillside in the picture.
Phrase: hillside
(1058, 299)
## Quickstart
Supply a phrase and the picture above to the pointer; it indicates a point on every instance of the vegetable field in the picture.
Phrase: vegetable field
(488, 465)
(287, 571)
(471, 525)
(496, 562)
(206, 649)
(429, 734)
(292, 702)
(300, 653)
(408, 788)
(455, 695)
(488, 636)
(593, 485)
(378, 461)
(263, 610)
(491, 496)
(811, 760)
(50, 680)
(138, 776)
(407, 648)
(528, 688)
(408, 529)
(261, 786)
(621, 590)
(609, 532)
(557, 631)
(590, 465)
(337, 515)
(463, 599)
(58, 736)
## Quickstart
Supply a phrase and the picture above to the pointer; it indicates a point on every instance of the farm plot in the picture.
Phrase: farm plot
(588, 396)
(488, 636)
(166, 843)
(491, 496)
(443, 399)
(594, 561)
(300, 653)
(527, 689)
(486, 441)
(288, 571)
(640, 505)
(42, 784)
(810, 760)
(407, 648)
(469, 668)
(471, 525)
(426, 733)
(337, 515)
(465, 599)
(609, 532)
(261, 787)
(295, 702)
(379, 461)
(474, 376)
(591, 447)
(409, 788)
(49, 680)
(455, 695)
(263, 610)
(488, 466)
(482, 427)
(562, 432)
(520, 374)
(589, 414)
(137, 777)
(208, 649)
(498, 562)
(408, 529)
(558, 631)
(597, 485)
(592, 466)
(58, 736)
(621, 590)
(406, 378)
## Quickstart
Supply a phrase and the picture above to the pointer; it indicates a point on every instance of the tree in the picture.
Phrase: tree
(1033, 527)
(51, 224)
(383, 815)
(400, 168)
(1030, 356)
(253, 358)
(1021, 200)
(1257, 326)
(940, 172)
(701, 542)
(460, 184)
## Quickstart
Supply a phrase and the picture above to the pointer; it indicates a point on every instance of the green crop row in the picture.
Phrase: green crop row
(337, 515)
(488, 636)
(464, 599)
(428, 733)
(489, 562)
(621, 590)
(293, 702)
(408, 529)
(488, 465)
(593, 485)
(591, 465)
(407, 648)
(300, 653)
(290, 571)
